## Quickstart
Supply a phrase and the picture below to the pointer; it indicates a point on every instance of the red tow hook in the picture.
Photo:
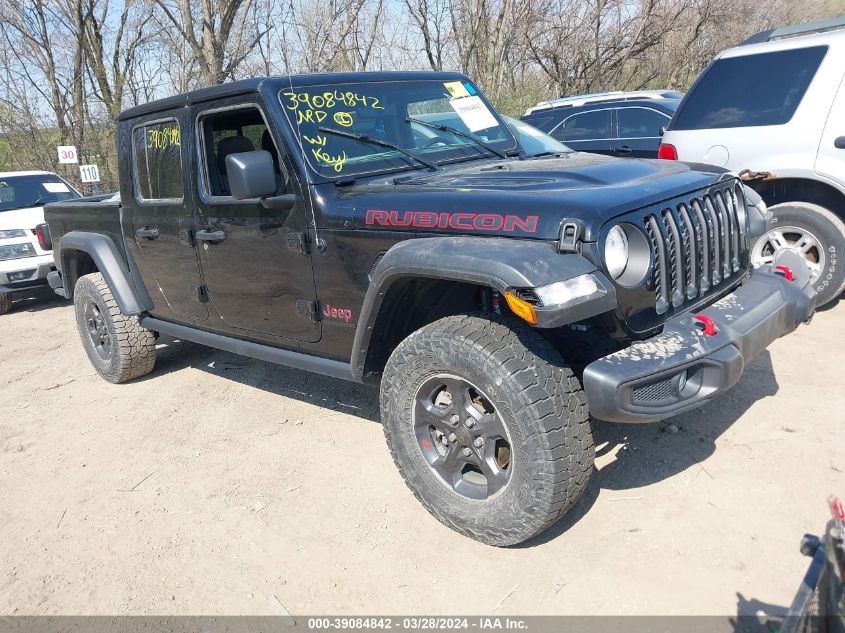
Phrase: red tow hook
(787, 272)
(708, 323)
(836, 508)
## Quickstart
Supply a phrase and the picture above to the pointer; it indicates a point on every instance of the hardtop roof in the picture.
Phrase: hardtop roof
(253, 84)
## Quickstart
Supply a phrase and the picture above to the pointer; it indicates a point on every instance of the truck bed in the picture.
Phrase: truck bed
(97, 214)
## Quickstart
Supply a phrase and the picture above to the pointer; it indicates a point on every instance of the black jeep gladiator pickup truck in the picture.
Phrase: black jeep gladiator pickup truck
(394, 229)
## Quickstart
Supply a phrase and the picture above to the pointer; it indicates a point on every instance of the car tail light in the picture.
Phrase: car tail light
(667, 152)
(42, 232)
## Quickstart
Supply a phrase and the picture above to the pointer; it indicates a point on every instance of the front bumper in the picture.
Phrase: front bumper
(683, 366)
(25, 273)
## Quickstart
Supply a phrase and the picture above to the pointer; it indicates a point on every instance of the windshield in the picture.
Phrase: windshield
(384, 111)
(20, 192)
(533, 141)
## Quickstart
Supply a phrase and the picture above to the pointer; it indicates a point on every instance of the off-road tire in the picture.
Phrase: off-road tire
(830, 232)
(5, 302)
(540, 401)
(132, 350)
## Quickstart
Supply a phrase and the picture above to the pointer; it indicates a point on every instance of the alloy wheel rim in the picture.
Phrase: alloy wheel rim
(98, 331)
(792, 238)
(462, 437)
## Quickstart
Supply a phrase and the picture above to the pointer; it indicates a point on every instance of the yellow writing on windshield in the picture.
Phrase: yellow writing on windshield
(335, 162)
(343, 118)
(329, 100)
(310, 116)
(315, 106)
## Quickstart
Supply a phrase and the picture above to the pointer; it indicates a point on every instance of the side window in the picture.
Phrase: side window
(587, 126)
(640, 122)
(232, 132)
(750, 90)
(158, 161)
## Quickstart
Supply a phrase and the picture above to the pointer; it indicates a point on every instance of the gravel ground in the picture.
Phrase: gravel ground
(224, 485)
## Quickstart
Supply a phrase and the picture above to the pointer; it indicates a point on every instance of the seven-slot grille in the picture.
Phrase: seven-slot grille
(697, 244)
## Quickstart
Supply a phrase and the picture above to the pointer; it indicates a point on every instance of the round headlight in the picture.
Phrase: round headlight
(616, 252)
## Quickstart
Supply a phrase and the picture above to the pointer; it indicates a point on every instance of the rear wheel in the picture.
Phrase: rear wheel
(5, 302)
(116, 344)
(488, 426)
(814, 233)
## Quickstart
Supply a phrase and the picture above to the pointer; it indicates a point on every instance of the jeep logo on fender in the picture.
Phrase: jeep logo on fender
(508, 223)
(341, 314)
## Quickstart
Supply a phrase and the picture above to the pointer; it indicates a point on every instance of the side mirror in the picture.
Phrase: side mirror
(251, 175)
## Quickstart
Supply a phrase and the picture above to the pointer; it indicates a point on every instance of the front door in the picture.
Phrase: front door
(161, 219)
(255, 263)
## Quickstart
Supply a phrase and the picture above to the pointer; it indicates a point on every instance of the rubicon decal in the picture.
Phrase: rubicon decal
(508, 223)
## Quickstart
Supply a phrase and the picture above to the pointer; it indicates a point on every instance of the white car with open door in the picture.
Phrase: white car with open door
(775, 106)
(25, 255)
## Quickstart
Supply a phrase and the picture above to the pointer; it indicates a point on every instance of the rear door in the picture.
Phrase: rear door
(161, 219)
(587, 131)
(638, 131)
(255, 265)
(830, 162)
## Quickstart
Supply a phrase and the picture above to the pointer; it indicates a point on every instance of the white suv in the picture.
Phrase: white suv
(24, 258)
(776, 106)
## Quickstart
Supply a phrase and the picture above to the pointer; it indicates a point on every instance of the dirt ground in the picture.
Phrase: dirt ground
(223, 485)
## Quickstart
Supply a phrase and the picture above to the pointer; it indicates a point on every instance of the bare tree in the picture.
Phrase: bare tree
(217, 32)
(41, 42)
(110, 44)
(67, 67)
(430, 18)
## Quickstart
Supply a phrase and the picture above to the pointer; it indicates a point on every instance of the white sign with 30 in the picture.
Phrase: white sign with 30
(67, 154)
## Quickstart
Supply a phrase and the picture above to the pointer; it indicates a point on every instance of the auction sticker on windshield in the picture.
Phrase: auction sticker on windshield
(473, 113)
(55, 187)
(456, 89)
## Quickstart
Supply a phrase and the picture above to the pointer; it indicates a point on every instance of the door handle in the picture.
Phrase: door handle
(839, 143)
(624, 149)
(149, 232)
(210, 236)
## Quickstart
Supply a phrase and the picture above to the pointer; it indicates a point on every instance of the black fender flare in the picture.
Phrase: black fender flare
(110, 261)
(498, 263)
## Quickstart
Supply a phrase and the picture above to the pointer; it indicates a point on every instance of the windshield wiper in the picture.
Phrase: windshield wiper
(550, 153)
(457, 132)
(377, 141)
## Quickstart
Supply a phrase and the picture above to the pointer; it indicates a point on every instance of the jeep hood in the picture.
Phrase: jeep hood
(521, 197)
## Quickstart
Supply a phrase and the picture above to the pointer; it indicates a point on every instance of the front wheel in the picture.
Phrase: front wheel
(5, 302)
(488, 426)
(814, 233)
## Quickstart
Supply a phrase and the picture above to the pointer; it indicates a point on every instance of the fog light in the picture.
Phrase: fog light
(682, 381)
(20, 275)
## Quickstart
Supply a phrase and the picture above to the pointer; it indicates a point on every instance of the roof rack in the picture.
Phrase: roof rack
(795, 30)
(597, 97)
